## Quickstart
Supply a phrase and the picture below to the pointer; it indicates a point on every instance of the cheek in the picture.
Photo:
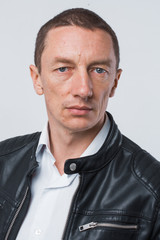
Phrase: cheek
(56, 95)
(104, 101)
(102, 97)
(54, 89)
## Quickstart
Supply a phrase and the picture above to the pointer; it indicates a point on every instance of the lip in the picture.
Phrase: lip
(79, 110)
(79, 107)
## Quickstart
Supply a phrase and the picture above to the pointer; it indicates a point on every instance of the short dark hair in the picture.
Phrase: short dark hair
(79, 17)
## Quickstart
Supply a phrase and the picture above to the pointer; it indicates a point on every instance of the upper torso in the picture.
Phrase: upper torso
(119, 190)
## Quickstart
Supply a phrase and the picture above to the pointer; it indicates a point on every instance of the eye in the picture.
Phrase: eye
(100, 70)
(62, 69)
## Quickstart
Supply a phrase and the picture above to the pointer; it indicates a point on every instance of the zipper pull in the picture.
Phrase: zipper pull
(87, 226)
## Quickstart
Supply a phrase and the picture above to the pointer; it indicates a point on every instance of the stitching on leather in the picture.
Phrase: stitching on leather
(148, 187)
(118, 213)
(106, 163)
(8, 198)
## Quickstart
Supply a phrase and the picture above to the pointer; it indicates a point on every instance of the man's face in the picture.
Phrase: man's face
(78, 75)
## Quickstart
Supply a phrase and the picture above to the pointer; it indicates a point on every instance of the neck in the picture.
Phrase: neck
(65, 144)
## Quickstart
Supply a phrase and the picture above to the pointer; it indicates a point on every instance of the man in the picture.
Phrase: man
(80, 178)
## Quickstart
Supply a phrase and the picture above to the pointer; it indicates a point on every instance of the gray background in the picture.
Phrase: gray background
(135, 106)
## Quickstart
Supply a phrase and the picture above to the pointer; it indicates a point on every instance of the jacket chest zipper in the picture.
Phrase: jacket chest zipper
(108, 225)
(16, 214)
(69, 219)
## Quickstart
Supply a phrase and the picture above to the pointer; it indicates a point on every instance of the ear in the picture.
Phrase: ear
(37, 83)
(115, 84)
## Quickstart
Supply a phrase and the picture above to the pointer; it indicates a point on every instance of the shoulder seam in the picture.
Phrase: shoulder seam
(147, 186)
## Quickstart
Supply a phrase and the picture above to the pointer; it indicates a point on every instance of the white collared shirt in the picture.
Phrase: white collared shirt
(52, 193)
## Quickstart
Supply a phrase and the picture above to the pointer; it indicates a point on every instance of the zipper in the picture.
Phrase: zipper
(69, 220)
(109, 225)
(16, 214)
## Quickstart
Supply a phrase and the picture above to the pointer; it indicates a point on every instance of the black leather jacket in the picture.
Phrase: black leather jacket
(118, 196)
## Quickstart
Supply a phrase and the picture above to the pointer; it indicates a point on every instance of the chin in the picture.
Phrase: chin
(80, 126)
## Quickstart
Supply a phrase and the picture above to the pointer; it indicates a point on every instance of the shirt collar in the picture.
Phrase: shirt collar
(98, 141)
(44, 140)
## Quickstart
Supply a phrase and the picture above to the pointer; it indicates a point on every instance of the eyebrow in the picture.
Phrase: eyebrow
(62, 60)
(107, 62)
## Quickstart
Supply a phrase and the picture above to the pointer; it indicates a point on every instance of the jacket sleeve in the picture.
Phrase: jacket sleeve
(156, 227)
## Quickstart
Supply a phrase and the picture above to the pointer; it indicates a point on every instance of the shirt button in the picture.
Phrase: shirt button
(38, 231)
(73, 166)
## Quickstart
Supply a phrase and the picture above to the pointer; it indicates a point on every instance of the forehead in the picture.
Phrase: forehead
(74, 41)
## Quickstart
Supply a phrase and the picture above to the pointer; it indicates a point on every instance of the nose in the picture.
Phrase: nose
(82, 85)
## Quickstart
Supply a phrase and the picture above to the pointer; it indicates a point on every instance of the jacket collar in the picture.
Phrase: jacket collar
(101, 158)
(93, 162)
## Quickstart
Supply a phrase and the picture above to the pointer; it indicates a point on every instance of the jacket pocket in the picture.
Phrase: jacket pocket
(99, 230)
(107, 225)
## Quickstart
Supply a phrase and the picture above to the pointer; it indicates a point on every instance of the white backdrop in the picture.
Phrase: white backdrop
(135, 106)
